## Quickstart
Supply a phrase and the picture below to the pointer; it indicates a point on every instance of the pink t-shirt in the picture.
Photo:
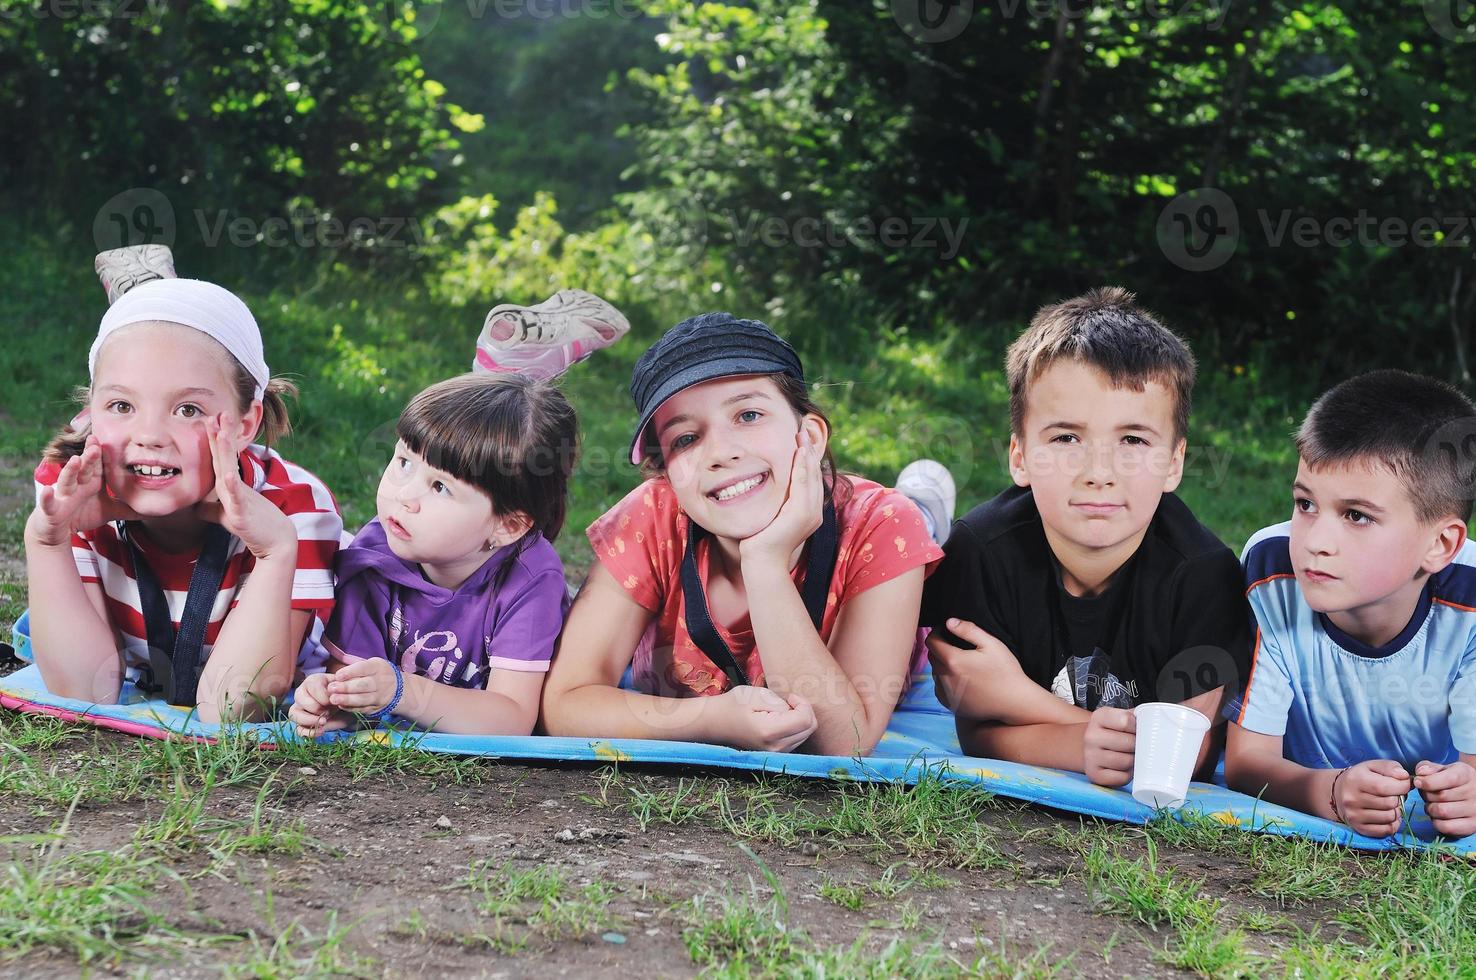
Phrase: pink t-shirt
(642, 540)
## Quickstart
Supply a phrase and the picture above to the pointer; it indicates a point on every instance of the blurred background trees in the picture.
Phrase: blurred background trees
(1209, 155)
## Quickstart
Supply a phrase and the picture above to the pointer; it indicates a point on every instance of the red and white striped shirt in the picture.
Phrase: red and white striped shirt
(103, 557)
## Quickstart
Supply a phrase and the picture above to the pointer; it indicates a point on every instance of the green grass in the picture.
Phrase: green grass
(95, 905)
(935, 822)
(297, 952)
(360, 347)
(542, 898)
(744, 935)
(1201, 937)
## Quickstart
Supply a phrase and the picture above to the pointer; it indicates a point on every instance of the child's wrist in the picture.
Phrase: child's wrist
(40, 532)
(394, 701)
(1333, 795)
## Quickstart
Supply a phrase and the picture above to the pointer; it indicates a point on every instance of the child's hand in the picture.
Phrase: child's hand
(800, 514)
(262, 527)
(364, 686)
(955, 668)
(1370, 796)
(1450, 796)
(762, 720)
(77, 500)
(311, 711)
(1109, 743)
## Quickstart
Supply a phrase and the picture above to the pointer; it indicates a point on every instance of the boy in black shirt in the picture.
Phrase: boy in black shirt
(1087, 588)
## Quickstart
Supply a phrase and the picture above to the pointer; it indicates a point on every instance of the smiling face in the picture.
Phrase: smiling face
(1360, 552)
(153, 387)
(728, 447)
(1098, 459)
(445, 525)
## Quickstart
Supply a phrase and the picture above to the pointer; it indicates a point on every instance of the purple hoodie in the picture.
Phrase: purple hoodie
(385, 607)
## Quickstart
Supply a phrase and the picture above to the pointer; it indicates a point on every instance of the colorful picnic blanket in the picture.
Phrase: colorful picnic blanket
(920, 740)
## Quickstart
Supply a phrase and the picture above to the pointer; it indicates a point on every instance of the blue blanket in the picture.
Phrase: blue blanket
(920, 740)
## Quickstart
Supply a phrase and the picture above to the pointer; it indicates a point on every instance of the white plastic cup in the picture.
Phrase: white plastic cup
(1169, 737)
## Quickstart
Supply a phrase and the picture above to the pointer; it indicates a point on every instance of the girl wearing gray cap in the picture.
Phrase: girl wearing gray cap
(760, 599)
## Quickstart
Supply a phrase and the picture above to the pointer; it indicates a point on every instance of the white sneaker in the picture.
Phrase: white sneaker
(120, 269)
(544, 340)
(927, 483)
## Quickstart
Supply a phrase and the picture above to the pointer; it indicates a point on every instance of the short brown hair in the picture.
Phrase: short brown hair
(1415, 426)
(1106, 329)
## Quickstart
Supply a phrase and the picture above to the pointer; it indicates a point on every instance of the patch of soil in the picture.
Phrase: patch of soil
(389, 857)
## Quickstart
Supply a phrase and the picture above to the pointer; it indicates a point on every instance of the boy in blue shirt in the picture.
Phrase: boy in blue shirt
(1364, 673)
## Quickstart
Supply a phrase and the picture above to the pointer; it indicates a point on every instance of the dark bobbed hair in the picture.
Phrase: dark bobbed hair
(512, 437)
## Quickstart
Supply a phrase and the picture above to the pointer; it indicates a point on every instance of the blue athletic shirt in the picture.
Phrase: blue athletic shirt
(1336, 701)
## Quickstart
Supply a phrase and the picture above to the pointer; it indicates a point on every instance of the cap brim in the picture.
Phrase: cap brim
(696, 374)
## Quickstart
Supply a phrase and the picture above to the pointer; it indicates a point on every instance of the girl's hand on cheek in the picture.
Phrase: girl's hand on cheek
(77, 501)
(262, 527)
(800, 514)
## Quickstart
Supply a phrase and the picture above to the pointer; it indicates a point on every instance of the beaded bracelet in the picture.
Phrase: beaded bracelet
(394, 702)
(1333, 797)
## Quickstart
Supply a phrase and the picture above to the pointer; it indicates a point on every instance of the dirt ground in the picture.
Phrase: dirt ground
(378, 883)
(388, 858)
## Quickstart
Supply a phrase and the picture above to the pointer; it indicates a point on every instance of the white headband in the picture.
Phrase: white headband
(204, 306)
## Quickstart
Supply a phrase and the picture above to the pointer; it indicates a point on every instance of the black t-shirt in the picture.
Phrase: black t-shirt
(1172, 623)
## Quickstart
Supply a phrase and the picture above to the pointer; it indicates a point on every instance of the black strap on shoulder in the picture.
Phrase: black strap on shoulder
(175, 657)
(819, 567)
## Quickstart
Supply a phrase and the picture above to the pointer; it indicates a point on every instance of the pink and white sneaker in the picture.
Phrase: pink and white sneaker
(120, 269)
(545, 340)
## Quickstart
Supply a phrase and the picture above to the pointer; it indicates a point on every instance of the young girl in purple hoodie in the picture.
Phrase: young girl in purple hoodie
(449, 602)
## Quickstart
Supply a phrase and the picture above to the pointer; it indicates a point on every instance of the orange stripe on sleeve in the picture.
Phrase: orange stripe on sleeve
(1456, 605)
(1255, 655)
(1272, 578)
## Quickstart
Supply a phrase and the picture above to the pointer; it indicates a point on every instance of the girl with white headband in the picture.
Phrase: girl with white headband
(169, 546)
